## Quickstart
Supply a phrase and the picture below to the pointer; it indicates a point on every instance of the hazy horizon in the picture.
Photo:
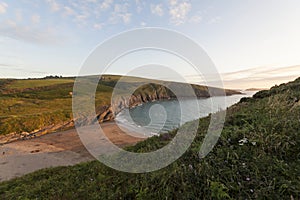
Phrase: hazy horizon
(239, 80)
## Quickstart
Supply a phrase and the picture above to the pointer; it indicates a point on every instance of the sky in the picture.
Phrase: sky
(249, 40)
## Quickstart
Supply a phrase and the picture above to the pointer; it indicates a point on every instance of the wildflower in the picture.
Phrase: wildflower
(243, 141)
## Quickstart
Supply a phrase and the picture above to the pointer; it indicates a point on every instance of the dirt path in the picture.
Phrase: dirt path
(55, 149)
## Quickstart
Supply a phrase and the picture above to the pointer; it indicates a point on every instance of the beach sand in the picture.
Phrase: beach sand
(55, 149)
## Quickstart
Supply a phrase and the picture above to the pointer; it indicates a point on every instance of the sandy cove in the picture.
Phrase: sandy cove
(54, 149)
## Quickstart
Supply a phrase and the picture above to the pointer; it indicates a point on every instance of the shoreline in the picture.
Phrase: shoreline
(105, 116)
(62, 148)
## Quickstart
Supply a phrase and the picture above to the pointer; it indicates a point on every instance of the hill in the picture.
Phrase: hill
(257, 156)
(255, 89)
(33, 107)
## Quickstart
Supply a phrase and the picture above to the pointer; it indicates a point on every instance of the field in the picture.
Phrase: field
(35, 83)
(27, 105)
(256, 157)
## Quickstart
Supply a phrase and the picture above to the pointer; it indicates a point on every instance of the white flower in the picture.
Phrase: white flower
(243, 141)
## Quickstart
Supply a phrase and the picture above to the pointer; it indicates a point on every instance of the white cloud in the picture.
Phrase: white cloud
(214, 20)
(29, 34)
(8, 67)
(126, 18)
(143, 24)
(120, 13)
(35, 19)
(54, 6)
(81, 17)
(106, 4)
(32, 3)
(19, 15)
(98, 26)
(157, 9)
(3, 7)
(68, 11)
(172, 2)
(121, 8)
(195, 19)
(178, 12)
(139, 5)
(260, 77)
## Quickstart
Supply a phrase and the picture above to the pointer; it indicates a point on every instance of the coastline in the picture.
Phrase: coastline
(61, 148)
(54, 149)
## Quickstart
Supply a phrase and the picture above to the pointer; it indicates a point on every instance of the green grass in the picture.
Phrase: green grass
(265, 166)
(21, 84)
(28, 105)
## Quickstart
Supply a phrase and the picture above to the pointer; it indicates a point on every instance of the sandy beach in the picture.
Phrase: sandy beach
(55, 149)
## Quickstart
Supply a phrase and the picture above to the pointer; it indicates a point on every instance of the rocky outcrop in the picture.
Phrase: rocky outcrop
(154, 92)
(36, 133)
(105, 114)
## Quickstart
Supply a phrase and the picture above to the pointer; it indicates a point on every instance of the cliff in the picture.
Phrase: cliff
(34, 107)
(155, 92)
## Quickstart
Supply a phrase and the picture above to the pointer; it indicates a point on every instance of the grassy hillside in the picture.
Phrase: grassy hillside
(256, 157)
(35, 83)
(33, 104)
(27, 105)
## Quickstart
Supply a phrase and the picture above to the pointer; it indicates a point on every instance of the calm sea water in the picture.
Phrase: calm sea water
(162, 116)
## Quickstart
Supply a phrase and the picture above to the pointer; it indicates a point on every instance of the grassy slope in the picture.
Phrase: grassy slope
(21, 84)
(265, 167)
(26, 110)
(27, 105)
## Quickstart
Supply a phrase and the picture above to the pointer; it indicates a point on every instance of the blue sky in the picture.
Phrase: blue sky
(42, 37)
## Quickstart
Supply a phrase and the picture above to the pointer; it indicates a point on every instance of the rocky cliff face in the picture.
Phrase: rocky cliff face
(154, 92)
(108, 112)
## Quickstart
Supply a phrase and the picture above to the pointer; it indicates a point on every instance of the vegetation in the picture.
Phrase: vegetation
(33, 104)
(27, 105)
(256, 157)
(35, 83)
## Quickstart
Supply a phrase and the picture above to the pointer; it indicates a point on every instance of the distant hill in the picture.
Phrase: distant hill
(256, 157)
(255, 89)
